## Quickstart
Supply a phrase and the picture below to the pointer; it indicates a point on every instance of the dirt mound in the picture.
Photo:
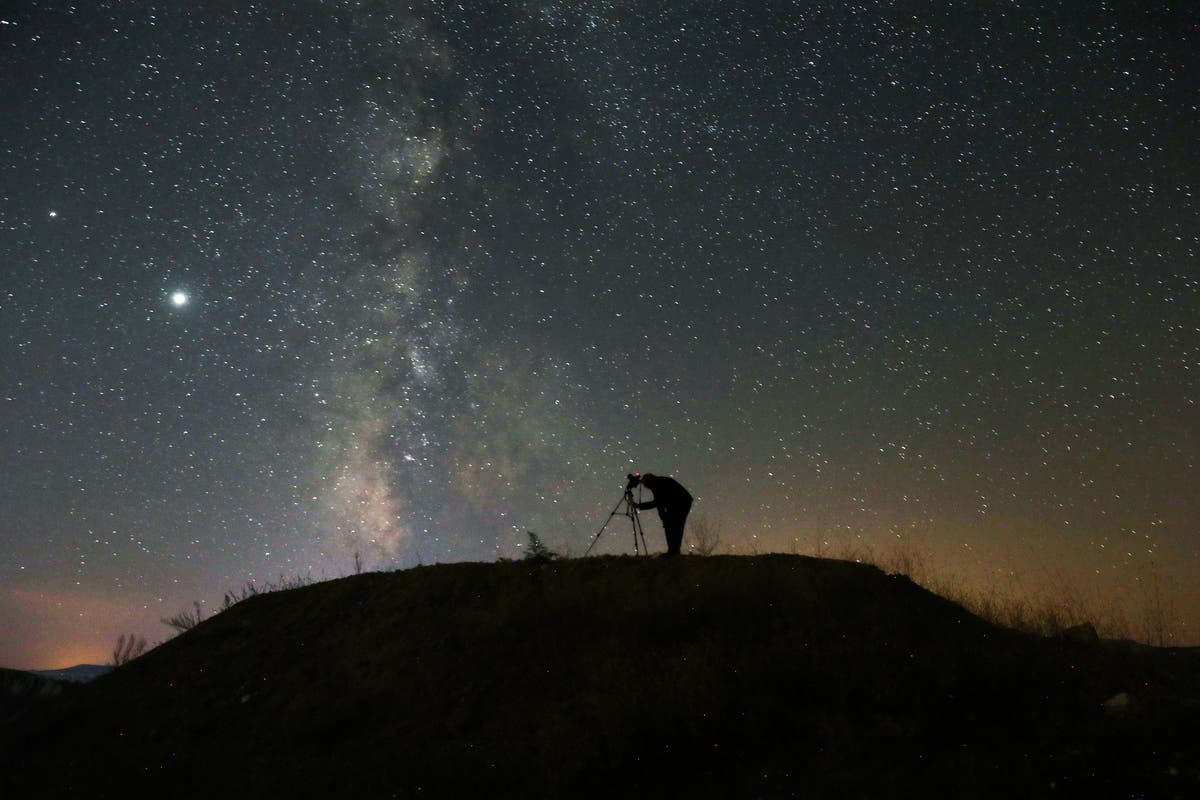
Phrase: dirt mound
(769, 676)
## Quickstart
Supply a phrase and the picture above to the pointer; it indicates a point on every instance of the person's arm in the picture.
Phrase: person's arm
(647, 504)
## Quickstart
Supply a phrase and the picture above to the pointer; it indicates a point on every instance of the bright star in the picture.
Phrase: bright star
(179, 299)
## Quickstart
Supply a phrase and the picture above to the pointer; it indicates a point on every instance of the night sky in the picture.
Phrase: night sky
(283, 282)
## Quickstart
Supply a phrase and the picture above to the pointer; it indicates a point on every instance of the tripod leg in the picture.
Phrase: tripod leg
(638, 530)
(596, 538)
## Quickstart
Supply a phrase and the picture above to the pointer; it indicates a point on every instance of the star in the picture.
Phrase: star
(179, 299)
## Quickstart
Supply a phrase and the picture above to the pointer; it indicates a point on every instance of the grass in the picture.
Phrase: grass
(1010, 603)
(186, 620)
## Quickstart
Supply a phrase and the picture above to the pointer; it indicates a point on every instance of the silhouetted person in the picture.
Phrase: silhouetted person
(673, 503)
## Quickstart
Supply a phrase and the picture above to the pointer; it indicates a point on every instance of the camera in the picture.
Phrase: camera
(634, 479)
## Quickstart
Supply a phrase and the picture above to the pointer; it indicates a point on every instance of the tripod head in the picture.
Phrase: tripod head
(632, 482)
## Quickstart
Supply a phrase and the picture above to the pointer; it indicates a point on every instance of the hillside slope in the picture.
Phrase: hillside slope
(768, 676)
(20, 690)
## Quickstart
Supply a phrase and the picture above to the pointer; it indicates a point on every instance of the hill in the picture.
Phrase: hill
(21, 690)
(80, 673)
(766, 676)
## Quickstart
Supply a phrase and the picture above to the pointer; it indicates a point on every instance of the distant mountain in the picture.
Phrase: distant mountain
(721, 677)
(80, 673)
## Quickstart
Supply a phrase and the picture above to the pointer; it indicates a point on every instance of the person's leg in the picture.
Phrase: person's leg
(681, 516)
(673, 526)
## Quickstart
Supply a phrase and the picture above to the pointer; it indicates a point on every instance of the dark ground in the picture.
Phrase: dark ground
(722, 677)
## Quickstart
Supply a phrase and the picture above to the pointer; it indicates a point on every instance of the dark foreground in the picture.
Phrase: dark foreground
(723, 677)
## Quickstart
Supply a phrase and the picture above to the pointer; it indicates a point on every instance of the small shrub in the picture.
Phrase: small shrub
(1159, 625)
(127, 649)
(538, 551)
(234, 597)
(704, 538)
(185, 620)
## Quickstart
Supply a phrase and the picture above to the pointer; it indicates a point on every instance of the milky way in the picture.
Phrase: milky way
(407, 281)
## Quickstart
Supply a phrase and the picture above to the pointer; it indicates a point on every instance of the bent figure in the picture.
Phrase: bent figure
(673, 503)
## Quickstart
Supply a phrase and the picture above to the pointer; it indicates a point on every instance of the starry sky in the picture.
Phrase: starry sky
(283, 282)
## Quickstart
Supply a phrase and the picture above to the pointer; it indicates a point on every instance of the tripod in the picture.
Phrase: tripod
(631, 511)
